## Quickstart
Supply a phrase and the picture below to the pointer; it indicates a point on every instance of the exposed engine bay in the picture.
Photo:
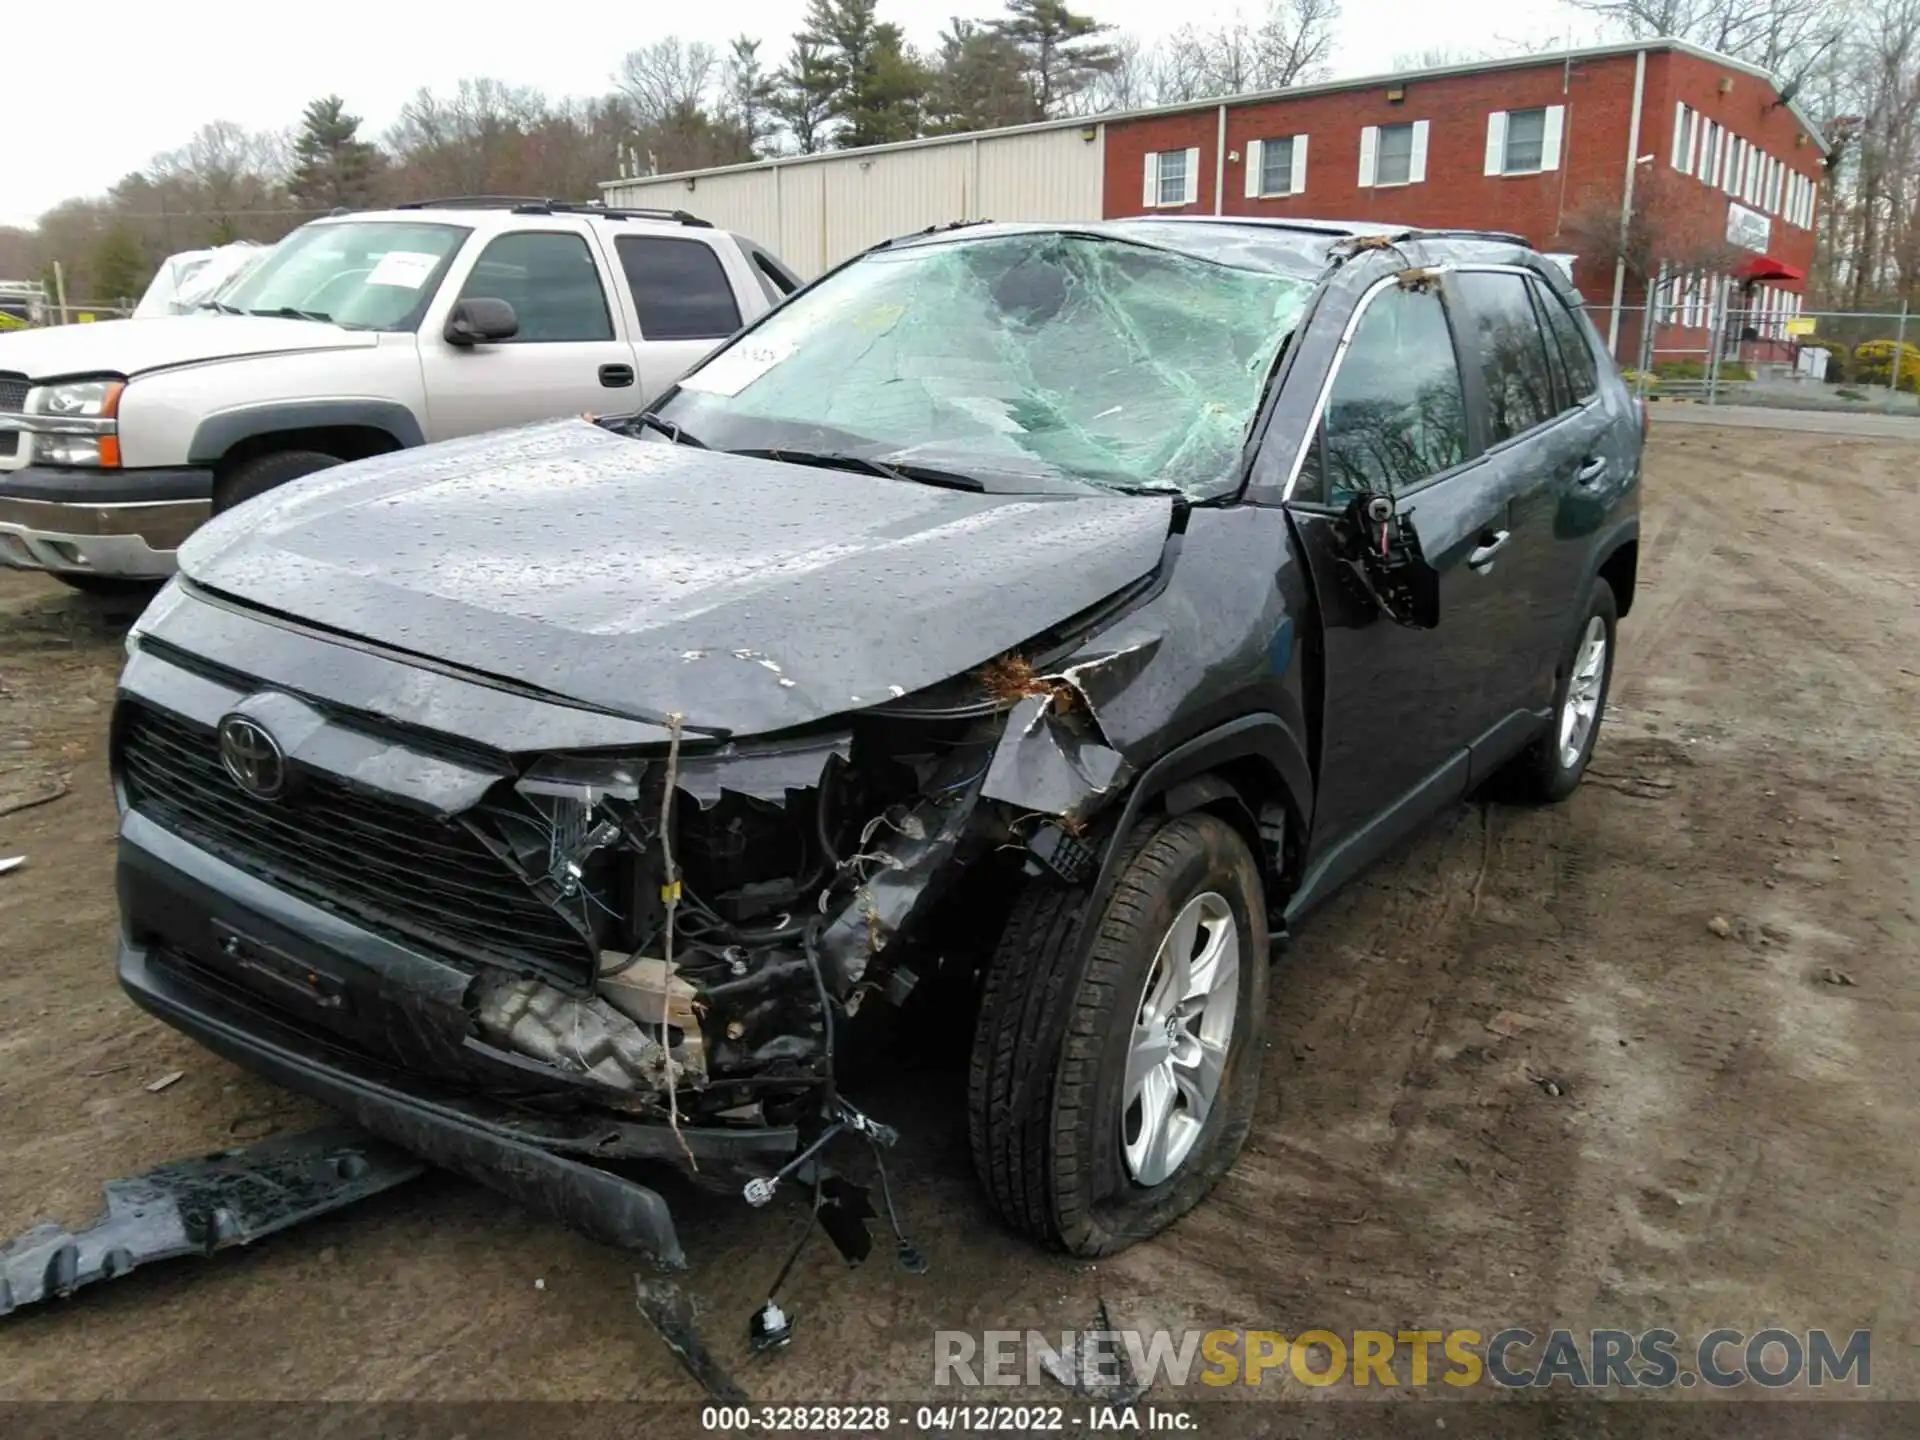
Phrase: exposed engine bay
(740, 899)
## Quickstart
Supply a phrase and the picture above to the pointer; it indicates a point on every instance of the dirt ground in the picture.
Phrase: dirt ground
(1516, 1076)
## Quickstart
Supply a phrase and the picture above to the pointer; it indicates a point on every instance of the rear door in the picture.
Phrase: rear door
(684, 303)
(570, 356)
(1400, 706)
(1543, 446)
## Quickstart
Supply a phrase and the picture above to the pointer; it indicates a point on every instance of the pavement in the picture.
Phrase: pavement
(1812, 422)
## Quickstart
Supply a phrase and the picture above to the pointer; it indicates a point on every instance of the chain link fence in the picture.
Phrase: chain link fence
(1715, 346)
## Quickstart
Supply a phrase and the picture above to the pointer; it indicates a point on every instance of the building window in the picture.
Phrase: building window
(1172, 178)
(1524, 142)
(1683, 119)
(1393, 154)
(1278, 166)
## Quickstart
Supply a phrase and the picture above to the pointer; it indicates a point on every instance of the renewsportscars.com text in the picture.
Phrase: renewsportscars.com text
(1513, 1358)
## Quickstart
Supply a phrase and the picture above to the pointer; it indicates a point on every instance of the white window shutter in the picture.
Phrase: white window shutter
(1693, 141)
(1720, 148)
(1151, 196)
(1550, 137)
(1680, 135)
(1417, 167)
(1497, 143)
(1297, 182)
(1369, 153)
(1256, 163)
(1704, 170)
(1193, 178)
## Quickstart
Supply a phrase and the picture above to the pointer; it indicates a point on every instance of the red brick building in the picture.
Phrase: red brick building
(1726, 173)
(1723, 172)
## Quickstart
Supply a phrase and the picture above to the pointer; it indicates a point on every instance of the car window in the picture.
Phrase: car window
(549, 278)
(1024, 358)
(778, 281)
(680, 290)
(1582, 376)
(1505, 339)
(1396, 414)
(362, 274)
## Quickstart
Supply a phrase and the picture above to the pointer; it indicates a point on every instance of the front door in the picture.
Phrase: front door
(568, 358)
(1401, 705)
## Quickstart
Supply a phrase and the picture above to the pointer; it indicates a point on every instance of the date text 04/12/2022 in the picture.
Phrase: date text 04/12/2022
(945, 1418)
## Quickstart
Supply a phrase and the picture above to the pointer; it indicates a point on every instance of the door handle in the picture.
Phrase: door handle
(1490, 546)
(1590, 471)
(616, 377)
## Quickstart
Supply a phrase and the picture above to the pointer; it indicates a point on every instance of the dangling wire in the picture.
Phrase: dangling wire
(670, 893)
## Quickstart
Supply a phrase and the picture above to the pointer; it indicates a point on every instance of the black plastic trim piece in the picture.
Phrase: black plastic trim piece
(86, 485)
(217, 434)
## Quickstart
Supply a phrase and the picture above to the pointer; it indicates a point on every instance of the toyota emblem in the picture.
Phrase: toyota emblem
(252, 757)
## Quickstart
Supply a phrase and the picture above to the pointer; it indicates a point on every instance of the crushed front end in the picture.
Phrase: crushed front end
(543, 945)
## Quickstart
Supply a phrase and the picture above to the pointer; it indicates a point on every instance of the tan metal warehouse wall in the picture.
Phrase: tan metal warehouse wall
(815, 210)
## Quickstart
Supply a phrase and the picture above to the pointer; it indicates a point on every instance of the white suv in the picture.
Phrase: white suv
(359, 334)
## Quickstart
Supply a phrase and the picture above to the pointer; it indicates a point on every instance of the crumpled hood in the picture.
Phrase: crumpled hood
(746, 595)
(128, 347)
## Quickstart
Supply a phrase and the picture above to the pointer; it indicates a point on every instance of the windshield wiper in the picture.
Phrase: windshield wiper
(288, 312)
(667, 428)
(861, 464)
(221, 306)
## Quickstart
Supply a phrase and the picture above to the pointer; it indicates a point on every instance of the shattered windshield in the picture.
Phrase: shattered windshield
(1010, 356)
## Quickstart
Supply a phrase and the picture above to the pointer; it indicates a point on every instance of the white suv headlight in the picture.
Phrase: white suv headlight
(82, 399)
(76, 422)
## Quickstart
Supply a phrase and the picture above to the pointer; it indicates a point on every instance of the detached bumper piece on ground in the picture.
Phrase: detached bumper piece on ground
(197, 1207)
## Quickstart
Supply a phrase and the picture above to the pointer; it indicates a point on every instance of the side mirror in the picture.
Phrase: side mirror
(1382, 552)
(479, 320)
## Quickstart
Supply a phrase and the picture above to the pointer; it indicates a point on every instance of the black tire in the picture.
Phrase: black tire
(263, 472)
(1539, 774)
(1057, 1172)
(108, 587)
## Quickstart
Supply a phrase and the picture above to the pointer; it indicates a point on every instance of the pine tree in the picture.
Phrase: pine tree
(879, 87)
(979, 82)
(1062, 56)
(749, 99)
(333, 165)
(803, 94)
(119, 269)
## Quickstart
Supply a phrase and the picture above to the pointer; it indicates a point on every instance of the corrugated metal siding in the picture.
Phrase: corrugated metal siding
(816, 212)
(1052, 175)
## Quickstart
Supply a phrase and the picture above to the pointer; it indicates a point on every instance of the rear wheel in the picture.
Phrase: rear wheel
(1144, 1101)
(264, 472)
(1550, 769)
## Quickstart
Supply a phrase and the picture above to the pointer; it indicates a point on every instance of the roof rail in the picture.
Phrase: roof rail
(1505, 236)
(541, 205)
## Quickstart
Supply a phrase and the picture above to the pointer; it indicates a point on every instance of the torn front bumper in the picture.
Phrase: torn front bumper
(175, 897)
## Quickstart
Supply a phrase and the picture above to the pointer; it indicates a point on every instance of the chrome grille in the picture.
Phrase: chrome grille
(13, 394)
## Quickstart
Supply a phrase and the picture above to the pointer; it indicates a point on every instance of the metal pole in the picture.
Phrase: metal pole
(1899, 344)
(1626, 202)
(60, 291)
(1716, 320)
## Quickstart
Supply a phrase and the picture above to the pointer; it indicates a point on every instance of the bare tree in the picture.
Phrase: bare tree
(1789, 39)
(668, 78)
(1290, 46)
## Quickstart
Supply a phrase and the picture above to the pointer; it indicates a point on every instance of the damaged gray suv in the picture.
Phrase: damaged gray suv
(1043, 615)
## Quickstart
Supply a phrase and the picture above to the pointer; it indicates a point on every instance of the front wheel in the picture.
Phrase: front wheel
(107, 587)
(1146, 1099)
(265, 472)
(1550, 769)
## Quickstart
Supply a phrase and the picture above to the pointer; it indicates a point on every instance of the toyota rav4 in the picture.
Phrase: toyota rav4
(1046, 616)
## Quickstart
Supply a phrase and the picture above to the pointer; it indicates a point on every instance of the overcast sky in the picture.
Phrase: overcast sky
(145, 75)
